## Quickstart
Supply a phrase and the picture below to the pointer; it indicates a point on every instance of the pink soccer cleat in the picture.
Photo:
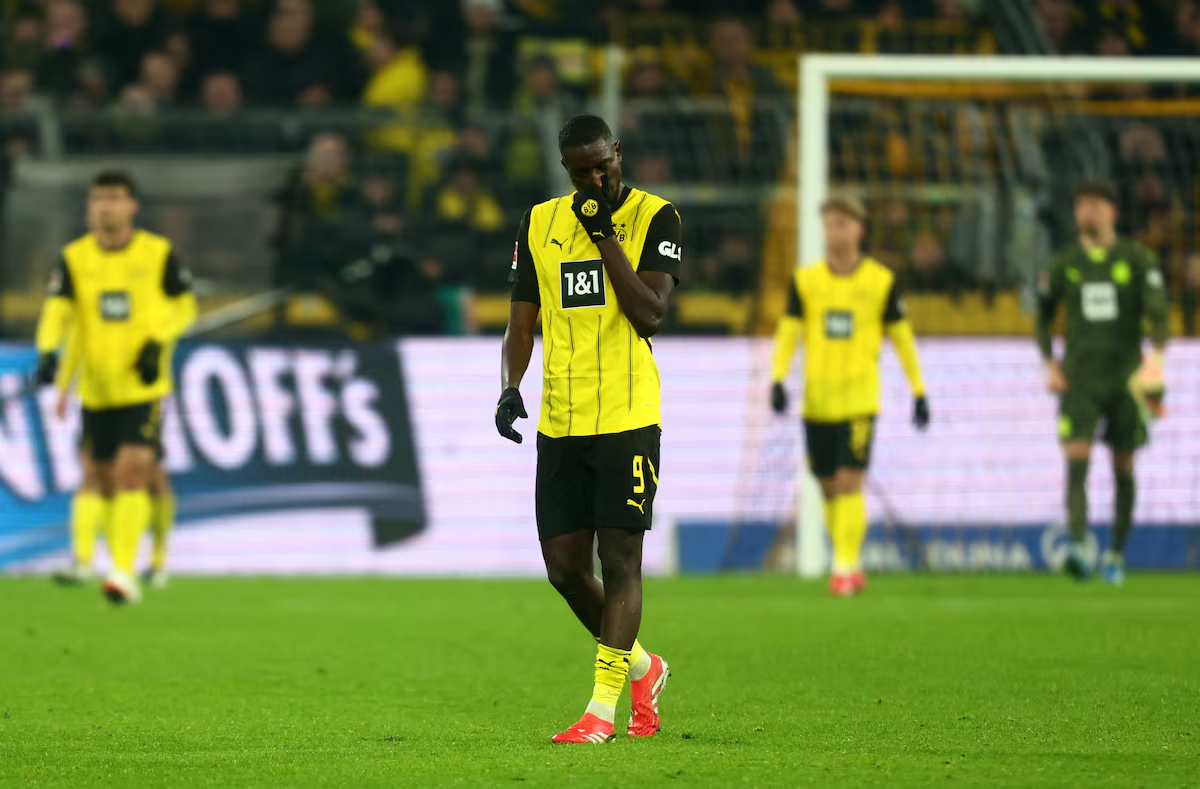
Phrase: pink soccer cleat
(590, 729)
(644, 720)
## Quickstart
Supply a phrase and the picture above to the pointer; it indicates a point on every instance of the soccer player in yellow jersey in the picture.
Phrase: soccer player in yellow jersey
(86, 520)
(130, 298)
(840, 308)
(599, 267)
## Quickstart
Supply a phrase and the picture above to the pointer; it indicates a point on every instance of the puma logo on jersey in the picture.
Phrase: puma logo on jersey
(598, 233)
(556, 242)
(639, 507)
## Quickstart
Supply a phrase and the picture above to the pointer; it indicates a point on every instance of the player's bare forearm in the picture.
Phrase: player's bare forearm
(1044, 332)
(644, 297)
(518, 344)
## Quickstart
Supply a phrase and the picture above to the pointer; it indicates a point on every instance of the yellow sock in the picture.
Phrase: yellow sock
(852, 531)
(612, 666)
(87, 513)
(831, 516)
(130, 517)
(106, 521)
(639, 662)
(161, 524)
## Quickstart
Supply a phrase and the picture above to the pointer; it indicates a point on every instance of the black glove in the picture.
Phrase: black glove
(779, 398)
(594, 212)
(47, 369)
(148, 362)
(921, 413)
(508, 410)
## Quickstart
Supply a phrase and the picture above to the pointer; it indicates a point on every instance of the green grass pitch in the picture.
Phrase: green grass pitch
(985, 681)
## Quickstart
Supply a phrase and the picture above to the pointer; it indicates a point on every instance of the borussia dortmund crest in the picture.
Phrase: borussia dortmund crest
(590, 208)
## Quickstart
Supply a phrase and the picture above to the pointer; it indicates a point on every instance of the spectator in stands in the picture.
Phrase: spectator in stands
(647, 79)
(22, 45)
(369, 22)
(399, 78)
(1183, 42)
(222, 127)
(1141, 25)
(476, 152)
(221, 94)
(542, 93)
(134, 28)
(465, 206)
(484, 57)
(652, 25)
(64, 50)
(750, 140)
(1059, 26)
(781, 39)
(320, 208)
(657, 137)
(381, 198)
(221, 37)
(293, 69)
(928, 271)
(160, 78)
(18, 132)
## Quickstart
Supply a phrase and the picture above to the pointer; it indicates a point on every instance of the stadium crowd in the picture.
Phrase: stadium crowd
(422, 123)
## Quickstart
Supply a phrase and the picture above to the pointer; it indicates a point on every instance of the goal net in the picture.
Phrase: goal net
(967, 166)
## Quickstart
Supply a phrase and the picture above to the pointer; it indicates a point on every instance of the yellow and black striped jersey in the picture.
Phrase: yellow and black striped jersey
(120, 300)
(844, 320)
(599, 375)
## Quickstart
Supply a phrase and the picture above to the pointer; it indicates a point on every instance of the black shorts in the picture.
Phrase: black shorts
(105, 430)
(597, 482)
(1081, 410)
(835, 445)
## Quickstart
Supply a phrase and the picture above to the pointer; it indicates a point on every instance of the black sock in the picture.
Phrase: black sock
(1123, 522)
(1077, 506)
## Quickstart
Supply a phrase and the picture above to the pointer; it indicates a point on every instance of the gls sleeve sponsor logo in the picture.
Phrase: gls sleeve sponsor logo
(670, 250)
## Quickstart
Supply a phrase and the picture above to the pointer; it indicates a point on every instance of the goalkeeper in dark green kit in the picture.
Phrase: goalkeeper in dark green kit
(1111, 287)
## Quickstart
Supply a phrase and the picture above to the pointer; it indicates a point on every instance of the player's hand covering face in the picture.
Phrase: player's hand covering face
(592, 208)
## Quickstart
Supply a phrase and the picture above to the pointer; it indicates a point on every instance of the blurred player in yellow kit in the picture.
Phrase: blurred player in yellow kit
(128, 297)
(840, 308)
(85, 527)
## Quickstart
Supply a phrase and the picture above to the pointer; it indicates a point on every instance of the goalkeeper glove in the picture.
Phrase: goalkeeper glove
(148, 362)
(508, 410)
(1148, 387)
(921, 413)
(47, 369)
(779, 398)
(594, 213)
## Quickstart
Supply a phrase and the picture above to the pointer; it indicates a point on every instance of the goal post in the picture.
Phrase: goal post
(816, 91)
